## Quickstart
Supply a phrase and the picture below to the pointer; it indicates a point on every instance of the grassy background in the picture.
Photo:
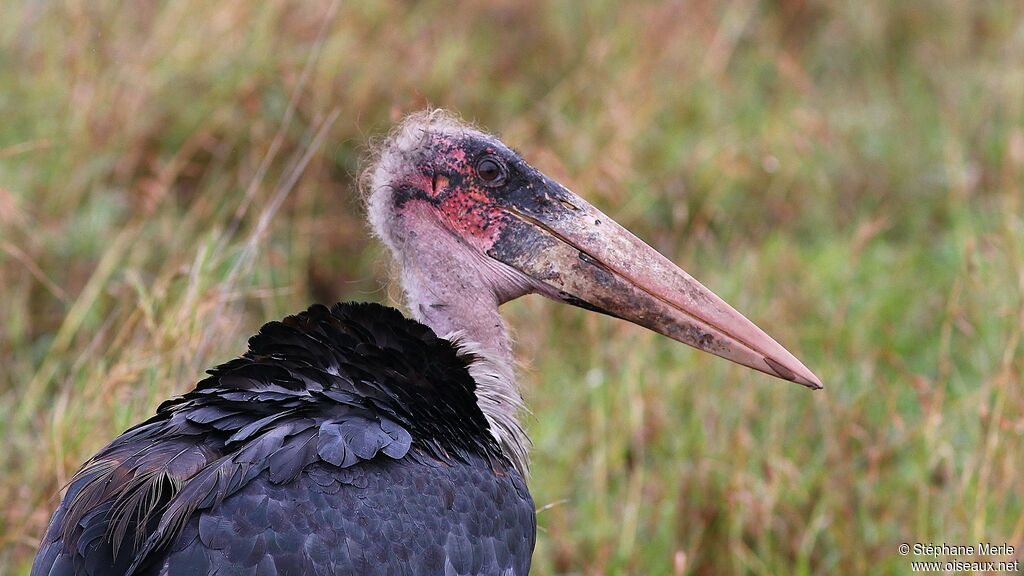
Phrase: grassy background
(848, 174)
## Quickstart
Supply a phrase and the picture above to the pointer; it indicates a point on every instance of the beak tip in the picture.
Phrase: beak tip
(810, 380)
(814, 385)
(796, 372)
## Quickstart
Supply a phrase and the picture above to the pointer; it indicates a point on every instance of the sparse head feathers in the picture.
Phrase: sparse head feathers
(397, 155)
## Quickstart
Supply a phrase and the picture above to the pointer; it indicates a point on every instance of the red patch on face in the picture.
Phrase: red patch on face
(463, 206)
(470, 213)
(466, 209)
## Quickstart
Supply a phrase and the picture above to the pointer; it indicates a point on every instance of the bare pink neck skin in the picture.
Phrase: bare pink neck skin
(452, 287)
(456, 291)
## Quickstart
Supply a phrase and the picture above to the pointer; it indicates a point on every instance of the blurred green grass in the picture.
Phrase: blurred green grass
(849, 175)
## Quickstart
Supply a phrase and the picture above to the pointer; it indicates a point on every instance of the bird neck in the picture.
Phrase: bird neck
(454, 299)
(453, 287)
(456, 291)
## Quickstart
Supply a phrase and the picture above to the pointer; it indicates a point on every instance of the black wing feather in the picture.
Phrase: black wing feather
(345, 441)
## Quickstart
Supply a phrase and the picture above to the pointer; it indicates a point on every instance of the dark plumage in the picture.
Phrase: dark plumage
(345, 441)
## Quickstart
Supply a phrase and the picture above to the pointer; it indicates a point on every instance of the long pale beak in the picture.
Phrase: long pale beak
(591, 261)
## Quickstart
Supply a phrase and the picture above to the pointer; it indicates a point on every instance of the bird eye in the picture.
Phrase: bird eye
(490, 171)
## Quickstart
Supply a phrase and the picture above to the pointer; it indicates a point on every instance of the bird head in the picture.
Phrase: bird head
(438, 182)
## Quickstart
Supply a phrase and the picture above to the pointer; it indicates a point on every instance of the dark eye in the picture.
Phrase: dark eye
(490, 171)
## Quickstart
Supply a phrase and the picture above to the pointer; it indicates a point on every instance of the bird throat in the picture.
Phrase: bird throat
(457, 300)
(452, 287)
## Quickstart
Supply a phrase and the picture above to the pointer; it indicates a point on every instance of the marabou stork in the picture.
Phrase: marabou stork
(353, 440)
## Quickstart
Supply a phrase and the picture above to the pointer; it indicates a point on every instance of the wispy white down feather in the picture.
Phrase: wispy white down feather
(498, 397)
